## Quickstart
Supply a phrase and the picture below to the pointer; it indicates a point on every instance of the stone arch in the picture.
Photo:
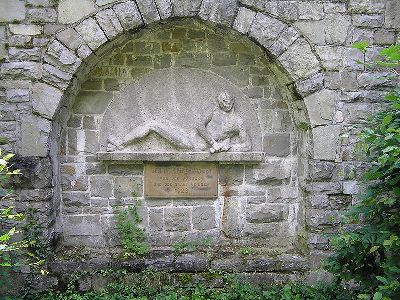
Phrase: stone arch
(73, 48)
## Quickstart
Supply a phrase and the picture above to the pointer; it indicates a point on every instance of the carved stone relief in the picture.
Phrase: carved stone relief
(180, 110)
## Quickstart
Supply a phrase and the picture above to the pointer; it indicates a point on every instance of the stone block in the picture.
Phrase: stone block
(3, 50)
(276, 144)
(91, 33)
(320, 106)
(231, 175)
(222, 12)
(24, 29)
(23, 69)
(55, 76)
(310, 30)
(177, 218)
(350, 187)
(108, 21)
(311, 11)
(223, 59)
(325, 140)
(287, 10)
(336, 28)
(125, 169)
(185, 8)
(12, 10)
(70, 11)
(33, 54)
(164, 8)
(76, 199)
(101, 186)
(193, 60)
(366, 6)
(392, 16)
(318, 219)
(128, 187)
(266, 213)
(70, 38)
(272, 170)
(266, 29)
(93, 102)
(231, 220)
(191, 263)
(104, 2)
(299, 60)
(340, 201)
(45, 99)
(31, 144)
(128, 14)
(285, 39)
(42, 15)
(321, 170)
(156, 219)
(203, 217)
(73, 178)
(17, 95)
(148, 11)
(84, 225)
(310, 85)
(369, 21)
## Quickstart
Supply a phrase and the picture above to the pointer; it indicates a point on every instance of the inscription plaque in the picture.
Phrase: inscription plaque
(181, 180)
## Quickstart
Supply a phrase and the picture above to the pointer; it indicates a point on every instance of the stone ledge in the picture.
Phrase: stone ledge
(223, 157)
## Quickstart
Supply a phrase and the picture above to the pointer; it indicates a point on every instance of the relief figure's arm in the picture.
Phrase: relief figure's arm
(202, 131)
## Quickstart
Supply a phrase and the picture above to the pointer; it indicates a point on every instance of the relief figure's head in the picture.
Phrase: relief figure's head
(225, 101)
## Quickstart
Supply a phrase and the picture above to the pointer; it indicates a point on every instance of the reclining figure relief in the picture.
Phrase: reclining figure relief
(222, 130)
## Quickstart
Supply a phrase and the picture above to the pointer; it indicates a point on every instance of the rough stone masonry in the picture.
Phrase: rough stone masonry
(75, 72)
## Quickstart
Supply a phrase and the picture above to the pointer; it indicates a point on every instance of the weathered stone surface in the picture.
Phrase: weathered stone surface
(203, 217)
(244, 19)
(70, 11)
(266, 29)
(191, 263)
(320, 106)
(17, 95)
(185, 8)
(91, 33)
(366, 6)
(32, 54)
(76, 199)
(42, 15)
(128, 187)
(3, 50)
(156, 219)
(218, 11)
(369, 21)
(101, 186)
(311, 11)
(322, 170)
(31, 143)
(148, 10)
(177, 219)
(128, 14)
(45, 99)
(272, 170)
(284, 9)
(93, 102)
(230, 174)
(164, 8)
(108, 21)
(12, 10)
(60, 56)
(276, 144)
(299, 60)
(25, 29)
(70, 38)
(55, 76)
(311, 84)
(318, 219)
(104, 2)
(392, 16)
(265, 213)
(23, 69)
(326, 141)
(82, 225)
(285, 39)
(231, 224)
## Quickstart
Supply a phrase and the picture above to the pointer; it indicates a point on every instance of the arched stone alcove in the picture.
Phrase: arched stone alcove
(175, 71)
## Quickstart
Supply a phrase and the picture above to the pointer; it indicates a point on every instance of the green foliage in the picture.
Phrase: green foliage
(39, 249)
(370, 255)
(245, 251)
(8, 245)
(133, 237)
(190, 246)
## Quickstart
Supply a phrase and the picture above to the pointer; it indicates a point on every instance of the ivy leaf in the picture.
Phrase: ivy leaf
(373, 249)
(362, 46)
(377, 296)
(382, 279)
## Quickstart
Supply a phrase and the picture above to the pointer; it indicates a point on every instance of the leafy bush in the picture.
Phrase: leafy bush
(370, 255)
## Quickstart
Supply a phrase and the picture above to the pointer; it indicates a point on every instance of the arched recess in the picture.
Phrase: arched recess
(76, 50)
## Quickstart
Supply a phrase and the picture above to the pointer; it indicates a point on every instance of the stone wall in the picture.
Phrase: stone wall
(299, 67)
